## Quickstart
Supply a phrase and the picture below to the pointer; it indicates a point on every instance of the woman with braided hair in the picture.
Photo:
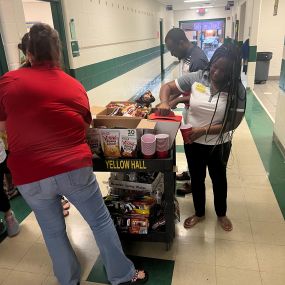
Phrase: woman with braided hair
(217, 106)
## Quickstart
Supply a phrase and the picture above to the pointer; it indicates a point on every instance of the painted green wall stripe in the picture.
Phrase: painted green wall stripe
(154, 82)
(94, 75)
(252, 53)
(57, 16)
(282, 75)
(261, 128)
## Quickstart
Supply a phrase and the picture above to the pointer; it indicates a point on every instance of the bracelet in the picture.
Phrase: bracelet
(206, 131)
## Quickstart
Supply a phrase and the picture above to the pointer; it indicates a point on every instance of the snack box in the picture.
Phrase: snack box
(120, 137)
(114, 104)
(136, 186)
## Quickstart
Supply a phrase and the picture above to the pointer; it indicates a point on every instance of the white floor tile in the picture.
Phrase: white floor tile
(270, 278)
(12, 253)
(24, 278)
(235, 254)
(4, 274)
(196, 250)
(193, 274)
(271, 258)
(268, 232)
(36, 260)
(233, 276)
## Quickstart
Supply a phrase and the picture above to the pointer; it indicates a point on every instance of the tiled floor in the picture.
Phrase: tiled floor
(253, 253)
(268, 94)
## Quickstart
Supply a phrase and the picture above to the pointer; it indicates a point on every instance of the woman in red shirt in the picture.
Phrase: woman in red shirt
(46, 114)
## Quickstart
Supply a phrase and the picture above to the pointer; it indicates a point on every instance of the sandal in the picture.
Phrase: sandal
(65, 213)
(225, 223)
(183, 176)
(136, 279)
(185, 189)
(65, 204)
(192, 221)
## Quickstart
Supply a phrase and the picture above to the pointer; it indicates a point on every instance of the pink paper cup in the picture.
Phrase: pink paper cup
(186, 131)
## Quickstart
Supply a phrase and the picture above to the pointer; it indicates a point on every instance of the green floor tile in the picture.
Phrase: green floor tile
(180, 148)
(21, 210)
(160, 270)
(261, 128)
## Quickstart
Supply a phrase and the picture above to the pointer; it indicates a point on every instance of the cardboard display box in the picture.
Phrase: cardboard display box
(118, 137)
(135, 126)
(136, 186)
(104, 112)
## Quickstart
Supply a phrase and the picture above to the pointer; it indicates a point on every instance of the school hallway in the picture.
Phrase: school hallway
(253, 253)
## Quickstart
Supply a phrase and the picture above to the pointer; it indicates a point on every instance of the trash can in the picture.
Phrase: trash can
(262, 67)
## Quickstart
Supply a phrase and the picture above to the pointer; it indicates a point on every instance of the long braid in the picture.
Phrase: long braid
(236, 99)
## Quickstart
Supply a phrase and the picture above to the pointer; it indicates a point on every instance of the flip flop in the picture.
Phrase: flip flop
(65, 213)
(136, 280)
(192, 221)
(225, 223)
(65, 204)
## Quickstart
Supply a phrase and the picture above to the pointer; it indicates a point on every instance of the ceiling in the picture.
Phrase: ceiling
(181, 5)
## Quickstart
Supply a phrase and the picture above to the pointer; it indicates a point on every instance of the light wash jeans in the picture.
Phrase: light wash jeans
(81, 188)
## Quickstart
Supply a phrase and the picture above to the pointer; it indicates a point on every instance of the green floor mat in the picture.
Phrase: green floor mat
(21, 210)
(160, 271)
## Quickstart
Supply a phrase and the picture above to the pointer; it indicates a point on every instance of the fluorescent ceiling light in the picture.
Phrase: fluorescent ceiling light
(205, 7)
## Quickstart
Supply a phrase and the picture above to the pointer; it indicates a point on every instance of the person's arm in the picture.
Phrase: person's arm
(181, 85)
(206, 130)
(165, 93)
(182, 99)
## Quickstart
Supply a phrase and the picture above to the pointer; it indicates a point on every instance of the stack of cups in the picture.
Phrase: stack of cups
(162, 145)
(148, 145)
(186, 131)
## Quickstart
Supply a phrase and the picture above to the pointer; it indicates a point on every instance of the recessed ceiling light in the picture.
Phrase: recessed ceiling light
(193, 8)
(193, 1)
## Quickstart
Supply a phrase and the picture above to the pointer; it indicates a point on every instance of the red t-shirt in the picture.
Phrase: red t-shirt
(46, 112)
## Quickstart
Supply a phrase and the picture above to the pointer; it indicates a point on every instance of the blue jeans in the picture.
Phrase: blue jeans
(81, 188)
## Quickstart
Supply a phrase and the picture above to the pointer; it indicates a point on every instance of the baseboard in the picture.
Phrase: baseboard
(273, 77)
(279, 144)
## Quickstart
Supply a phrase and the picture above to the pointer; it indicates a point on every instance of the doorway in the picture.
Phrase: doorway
(49, 12)
(161, 46)
(207, 34)
(242, 22)
(3, 62)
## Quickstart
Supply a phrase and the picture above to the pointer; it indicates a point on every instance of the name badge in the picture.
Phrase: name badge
(200, 87)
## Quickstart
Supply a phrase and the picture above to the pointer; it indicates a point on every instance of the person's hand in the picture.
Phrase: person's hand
(173, 104)
(196, 133)
(163, 109)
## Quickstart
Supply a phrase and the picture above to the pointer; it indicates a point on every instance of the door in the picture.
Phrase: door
(3, 62)
(161, 46)
(58, 24)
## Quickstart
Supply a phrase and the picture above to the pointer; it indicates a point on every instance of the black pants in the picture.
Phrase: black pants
(200, 156)
(4, 201)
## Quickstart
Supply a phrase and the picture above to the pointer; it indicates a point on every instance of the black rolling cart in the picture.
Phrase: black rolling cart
(166, 166)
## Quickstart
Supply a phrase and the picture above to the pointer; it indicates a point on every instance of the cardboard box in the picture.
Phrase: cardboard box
(167, 127)
(110, 109)
(136, 186)
(126, 129)
(104, 112)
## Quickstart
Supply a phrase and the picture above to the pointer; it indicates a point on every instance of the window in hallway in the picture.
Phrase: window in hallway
(207, 34)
